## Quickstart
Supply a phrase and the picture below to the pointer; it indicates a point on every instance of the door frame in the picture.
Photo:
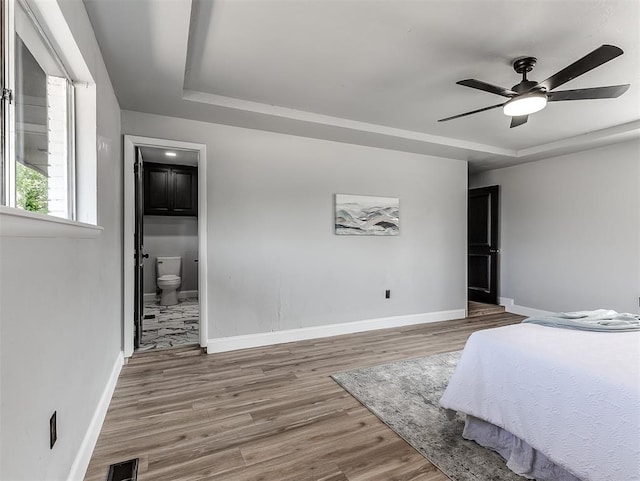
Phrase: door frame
(494, 248)
(128, 268)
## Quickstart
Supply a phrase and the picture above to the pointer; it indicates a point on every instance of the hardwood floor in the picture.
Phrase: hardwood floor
(475, 309)
(270, 414)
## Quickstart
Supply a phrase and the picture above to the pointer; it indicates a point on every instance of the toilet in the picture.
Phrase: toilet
(168, 269)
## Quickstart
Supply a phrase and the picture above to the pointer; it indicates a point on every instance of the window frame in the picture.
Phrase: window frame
(8, 160)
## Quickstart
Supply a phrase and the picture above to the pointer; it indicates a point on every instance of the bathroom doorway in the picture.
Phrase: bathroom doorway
(165, 232)
(166, 236)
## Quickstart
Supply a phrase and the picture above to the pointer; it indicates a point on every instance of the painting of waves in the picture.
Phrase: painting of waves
(367, 215)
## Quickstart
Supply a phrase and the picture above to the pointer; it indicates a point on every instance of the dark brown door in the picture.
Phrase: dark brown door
(139, 248)
(483, 246)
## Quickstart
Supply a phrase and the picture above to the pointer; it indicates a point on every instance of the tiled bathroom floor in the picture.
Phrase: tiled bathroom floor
(171, 325)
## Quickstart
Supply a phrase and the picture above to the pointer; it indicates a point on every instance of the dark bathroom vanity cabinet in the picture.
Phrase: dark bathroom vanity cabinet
(170, 189)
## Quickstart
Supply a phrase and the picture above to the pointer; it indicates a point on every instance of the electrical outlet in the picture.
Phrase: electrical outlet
(53, 429)
(387, 294)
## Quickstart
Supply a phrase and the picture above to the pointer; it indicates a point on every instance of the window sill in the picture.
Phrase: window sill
(20, 223)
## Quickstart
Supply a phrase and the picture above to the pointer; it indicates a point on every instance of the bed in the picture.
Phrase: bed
(572, 396)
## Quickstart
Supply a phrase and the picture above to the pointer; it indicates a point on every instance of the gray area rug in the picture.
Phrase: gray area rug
(405, 395)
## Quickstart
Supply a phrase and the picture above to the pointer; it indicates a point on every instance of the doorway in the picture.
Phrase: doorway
(166, 312)
(483, 245)
(164, 244)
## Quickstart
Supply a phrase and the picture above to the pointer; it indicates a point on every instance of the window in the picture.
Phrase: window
(37, 118)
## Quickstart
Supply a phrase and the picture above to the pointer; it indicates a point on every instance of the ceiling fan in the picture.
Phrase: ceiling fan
(529, 96)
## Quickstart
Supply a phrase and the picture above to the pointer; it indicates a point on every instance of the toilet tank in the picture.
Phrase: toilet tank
(168, 266)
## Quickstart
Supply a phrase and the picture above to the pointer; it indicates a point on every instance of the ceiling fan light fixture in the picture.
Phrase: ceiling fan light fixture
(525, 104)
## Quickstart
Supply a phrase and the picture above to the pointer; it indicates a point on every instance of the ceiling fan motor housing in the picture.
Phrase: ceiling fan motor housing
(526, 86)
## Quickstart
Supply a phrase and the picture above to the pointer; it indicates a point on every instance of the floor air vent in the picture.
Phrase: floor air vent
(125, 471)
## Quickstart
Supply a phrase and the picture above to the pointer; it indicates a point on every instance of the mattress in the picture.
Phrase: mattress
(572, 395)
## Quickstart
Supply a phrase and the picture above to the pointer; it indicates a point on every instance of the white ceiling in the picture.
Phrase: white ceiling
(374, 72)
(159, 155)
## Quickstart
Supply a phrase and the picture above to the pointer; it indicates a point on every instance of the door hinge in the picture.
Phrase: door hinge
(7, 94)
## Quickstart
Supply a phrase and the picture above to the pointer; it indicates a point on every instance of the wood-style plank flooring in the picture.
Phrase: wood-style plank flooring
(268, 414)
(475, 309)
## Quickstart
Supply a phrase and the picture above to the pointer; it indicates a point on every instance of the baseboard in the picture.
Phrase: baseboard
(513, 308)
(187, 294)
(152, 296)
(503, 301)
(234, 343)
(81, 461)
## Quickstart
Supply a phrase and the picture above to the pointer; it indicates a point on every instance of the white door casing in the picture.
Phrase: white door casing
(130, 144)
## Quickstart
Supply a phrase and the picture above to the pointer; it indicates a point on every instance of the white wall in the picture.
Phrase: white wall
(171, 236)
(274, 262)
(570, 230)
(60, 310)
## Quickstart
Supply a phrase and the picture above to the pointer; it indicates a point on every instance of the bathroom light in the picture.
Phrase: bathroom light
(170, 154)
(525, 104)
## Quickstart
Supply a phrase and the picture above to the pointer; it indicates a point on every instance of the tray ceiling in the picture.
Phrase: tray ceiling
(374, 72)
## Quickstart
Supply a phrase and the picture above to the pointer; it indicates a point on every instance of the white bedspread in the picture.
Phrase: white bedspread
(573, 395)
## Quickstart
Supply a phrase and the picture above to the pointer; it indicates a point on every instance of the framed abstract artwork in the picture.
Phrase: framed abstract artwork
(367, 215)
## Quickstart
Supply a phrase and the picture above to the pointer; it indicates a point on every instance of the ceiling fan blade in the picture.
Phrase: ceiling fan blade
(590, 61)
(492, 89)
(472, 112)
(519, 120)
(610, 92)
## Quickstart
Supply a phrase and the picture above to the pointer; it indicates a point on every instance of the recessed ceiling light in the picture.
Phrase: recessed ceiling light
(170, 154)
